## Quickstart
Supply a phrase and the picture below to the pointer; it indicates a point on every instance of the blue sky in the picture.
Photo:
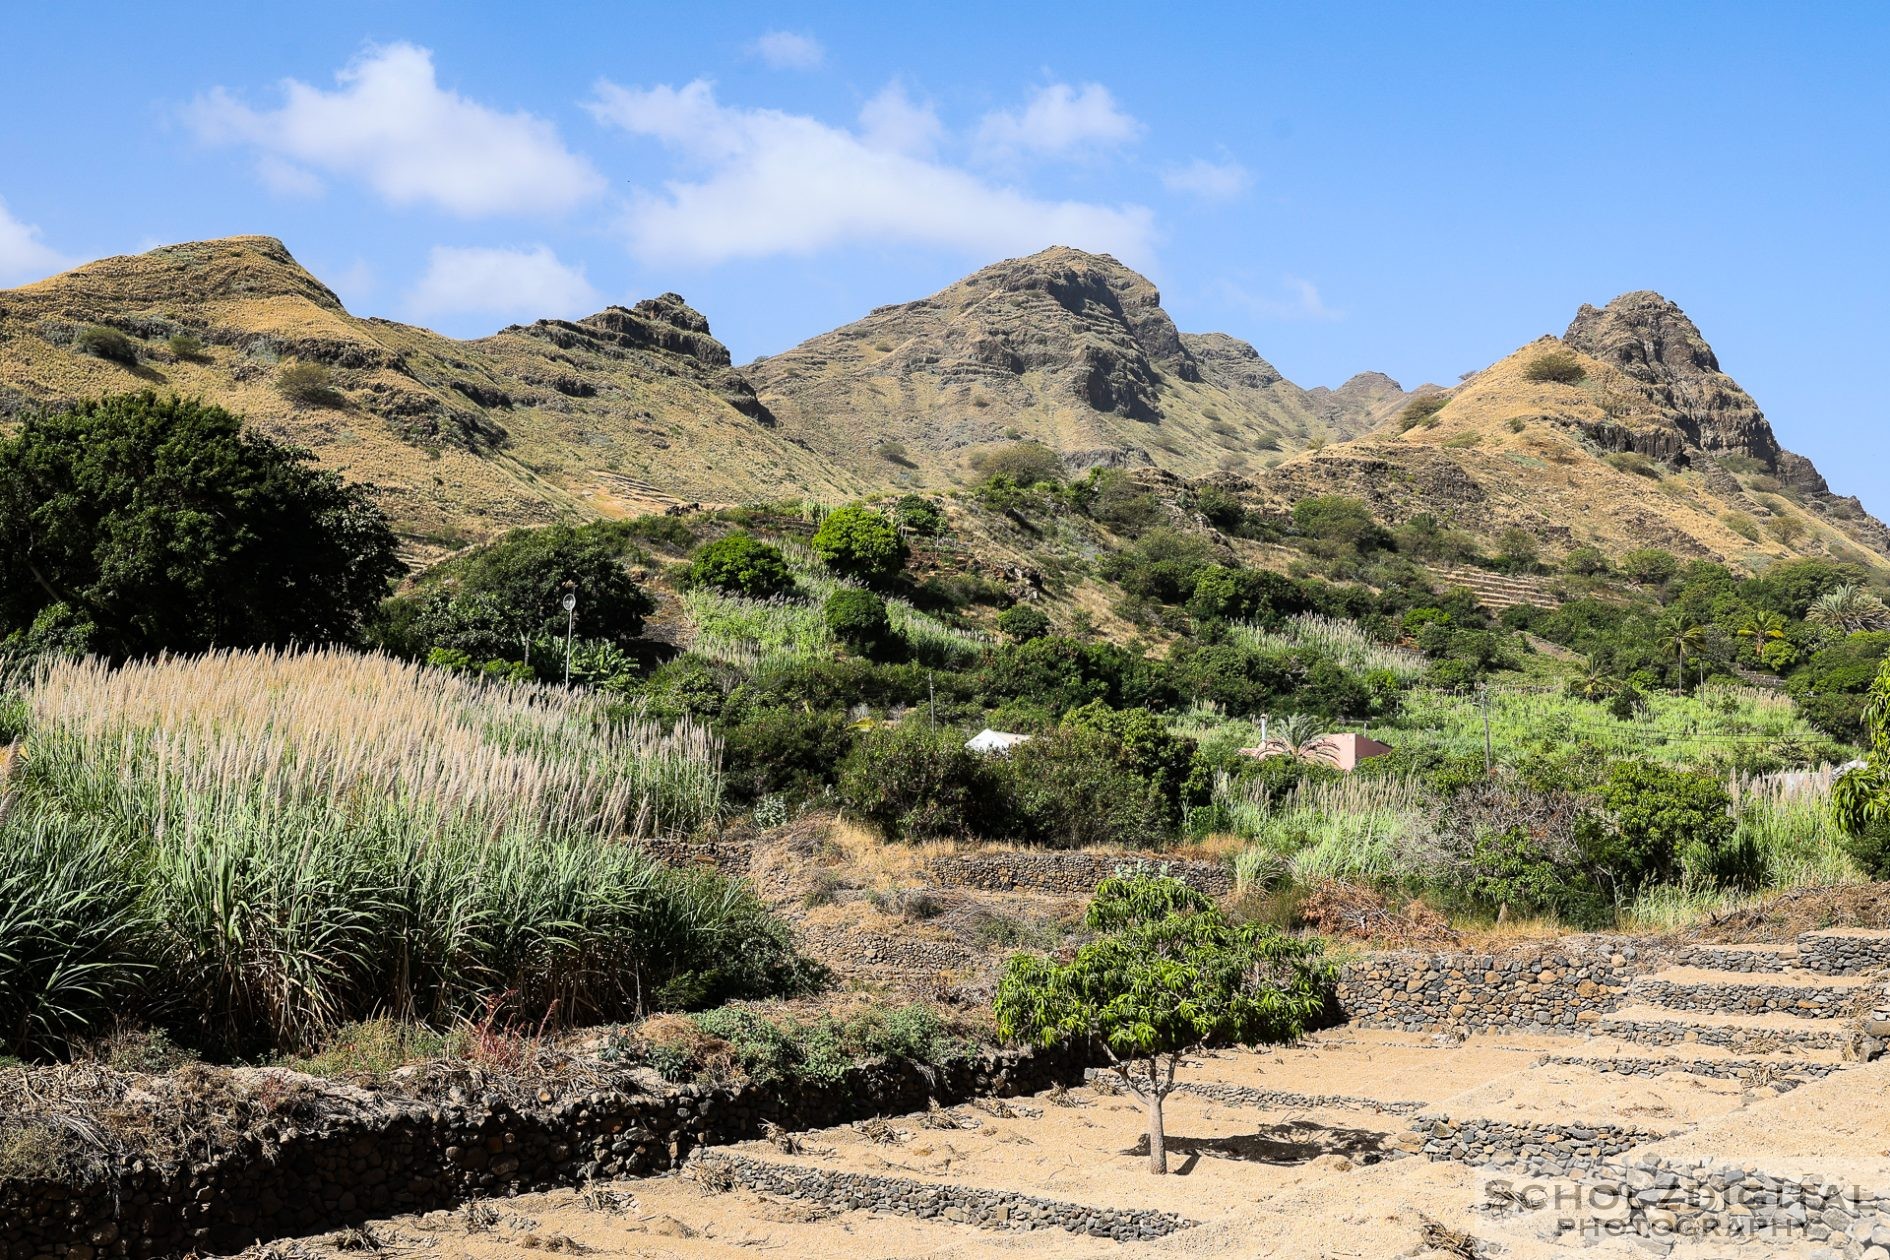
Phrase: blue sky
(1415, 189)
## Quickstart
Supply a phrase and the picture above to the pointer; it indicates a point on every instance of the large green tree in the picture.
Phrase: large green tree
(1861, 795)
(861, 543)
(138, 524)
(499, 600)
(1168, 974)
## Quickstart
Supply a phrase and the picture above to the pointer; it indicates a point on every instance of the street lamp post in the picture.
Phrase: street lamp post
(570, 625)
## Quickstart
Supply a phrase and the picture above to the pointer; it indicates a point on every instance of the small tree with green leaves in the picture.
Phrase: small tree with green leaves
(1167, 975)
(1861, 795)
(861, 543)
(858, 619)
(741, 565)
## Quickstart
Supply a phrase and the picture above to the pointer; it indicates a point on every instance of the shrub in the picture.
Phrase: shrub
(1558, 366)
(224, 537)
(308, 384)
(1021, 463)
(186, 345)
(106, 343)
(1422, 411)
(1663, 819)
(858, 619)
(741, 565)
(915, 783)
(1021, 623)
(1113, 498)
(920, 515)
(1650, 566)
(1070, 787)
(860, 543)
(1585, 562)
(1636, 463)
(787, 751)
(1339, 519)
(1221, 508)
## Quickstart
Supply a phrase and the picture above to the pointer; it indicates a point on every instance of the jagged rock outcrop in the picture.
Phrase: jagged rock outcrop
(1063, 347)
(1363, 402)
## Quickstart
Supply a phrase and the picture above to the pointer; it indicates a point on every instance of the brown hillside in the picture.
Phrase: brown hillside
(613, 414)
(1065, 348)
(1623, 433)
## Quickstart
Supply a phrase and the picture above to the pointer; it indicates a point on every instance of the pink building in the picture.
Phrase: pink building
(1342, 751)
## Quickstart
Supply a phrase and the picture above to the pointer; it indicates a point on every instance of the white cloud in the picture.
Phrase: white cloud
(390, 124)
(23, 255)
(1058, 121)
(508, 283)
(1210, 181)
(894, 121)
(768, 182)
(787, 50)
(1293, 300)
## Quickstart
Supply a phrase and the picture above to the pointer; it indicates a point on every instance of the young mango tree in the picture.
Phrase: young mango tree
(1168, 974)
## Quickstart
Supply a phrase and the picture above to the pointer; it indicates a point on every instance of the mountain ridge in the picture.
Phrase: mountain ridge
(639, 407)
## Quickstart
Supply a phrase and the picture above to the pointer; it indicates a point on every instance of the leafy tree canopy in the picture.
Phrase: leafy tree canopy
(741, 565)
(500, 599)
(138, 524)
(1171, 974)
(861, 543)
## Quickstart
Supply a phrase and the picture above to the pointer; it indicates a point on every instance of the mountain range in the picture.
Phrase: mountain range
(1622, 432)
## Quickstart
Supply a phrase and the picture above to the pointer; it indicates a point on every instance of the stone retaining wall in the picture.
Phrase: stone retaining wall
(1541, 1150)
(1530, 988)
(407, 1155)
(729, 857)
(1804, 1001)
(1669, 1201)
(1721, 958)
(1841, 954)
(1272, 1099)
(1069, 874)
(967, 1205)
(1782, 1074)
(1667, 1032)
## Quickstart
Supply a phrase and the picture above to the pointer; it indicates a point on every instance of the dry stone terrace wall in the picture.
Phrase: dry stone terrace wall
(1070, 874)
(965, 1205)
(405, 1155)
(1544, 987)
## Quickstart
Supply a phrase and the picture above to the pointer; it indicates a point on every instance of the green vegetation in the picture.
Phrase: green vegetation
(858, 619)
(1168, 975)
(1557, 366)
(309, 384)
(737, 564)
(106, 343)
(139, 525)
(859, 543)
(252, 849)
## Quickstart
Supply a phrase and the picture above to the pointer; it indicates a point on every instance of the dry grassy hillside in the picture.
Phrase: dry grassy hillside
(614, 414)
(1619, 451)
(1065, 348)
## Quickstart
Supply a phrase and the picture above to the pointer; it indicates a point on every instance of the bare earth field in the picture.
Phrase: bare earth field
(1317, 1176)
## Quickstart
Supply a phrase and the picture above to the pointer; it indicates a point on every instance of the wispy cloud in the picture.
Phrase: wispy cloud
(389, 124)
(763, 182)
(789, 50)
(24, 255)
(1210, 181)
(527, 283)
(1293, 300)
(1059, 120)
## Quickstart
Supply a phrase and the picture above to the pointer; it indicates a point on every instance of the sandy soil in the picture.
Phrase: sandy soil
(1839, 1126)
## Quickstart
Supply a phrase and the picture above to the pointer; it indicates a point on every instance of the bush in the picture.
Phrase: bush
(1650, 566)
(1021, 464)
(920, 515)
(106, 343)
(1558, 366)
(741, 565)
(1585, 562)
(1221, 508)
(222, 537)
(1069, 788)
(786, 751)
(858, 619)
(860, 543)
(1021, 623)
(1421, 411)
(185, 345)
(1113, 498)
(914, 783)
(1339, 520)
(1664, 821)
(308, 384)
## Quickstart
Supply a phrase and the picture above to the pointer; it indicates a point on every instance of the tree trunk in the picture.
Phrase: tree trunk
(1157, 1139)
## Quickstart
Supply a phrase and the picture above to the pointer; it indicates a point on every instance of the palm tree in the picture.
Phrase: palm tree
(1301, 735)
(1685, 641)
(1763, 628)
(1847, 608)
(1596, 683)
